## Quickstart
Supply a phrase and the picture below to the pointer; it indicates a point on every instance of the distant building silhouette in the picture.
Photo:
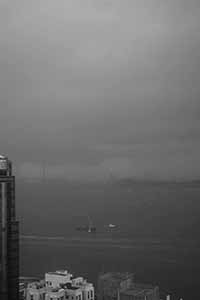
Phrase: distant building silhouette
(110, 284)
(121, 286)
(140, 292)
(9, 234)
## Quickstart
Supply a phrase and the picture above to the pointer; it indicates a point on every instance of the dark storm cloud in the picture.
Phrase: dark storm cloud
(89, 86)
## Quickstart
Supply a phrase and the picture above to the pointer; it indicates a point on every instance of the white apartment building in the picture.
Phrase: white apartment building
(73, 293)
(60, 285)
(39, 291)
(86, 288)
(36, 291)
(55, 279)
(55, 294)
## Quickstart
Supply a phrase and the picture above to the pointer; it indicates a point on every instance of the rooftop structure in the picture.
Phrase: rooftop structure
(55, 279)
(72, 293)
(55, 294)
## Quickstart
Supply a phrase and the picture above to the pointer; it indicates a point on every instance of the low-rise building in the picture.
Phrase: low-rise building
(122, 286)
(55, 294)
(22, 291)
(60, 285)
(36, 290)
(86, 288)
(39, 291)
(72, 292)
(140, 292)
(54, 279)
(109, 284)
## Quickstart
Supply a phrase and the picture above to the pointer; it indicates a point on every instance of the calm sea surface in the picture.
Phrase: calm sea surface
(174, 266)
(157, 234)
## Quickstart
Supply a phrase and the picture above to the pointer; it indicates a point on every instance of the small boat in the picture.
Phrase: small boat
(89, 228)
(111, 225)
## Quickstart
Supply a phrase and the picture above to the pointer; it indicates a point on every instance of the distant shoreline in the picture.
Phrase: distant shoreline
(103, 239)
(122, 181)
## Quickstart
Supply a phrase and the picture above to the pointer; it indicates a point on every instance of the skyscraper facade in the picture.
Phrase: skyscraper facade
(9, 234)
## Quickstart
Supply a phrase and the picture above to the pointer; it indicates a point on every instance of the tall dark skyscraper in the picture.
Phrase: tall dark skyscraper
(9, 234)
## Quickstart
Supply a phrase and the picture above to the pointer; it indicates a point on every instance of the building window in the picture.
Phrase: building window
(32, 297)
(88, 295)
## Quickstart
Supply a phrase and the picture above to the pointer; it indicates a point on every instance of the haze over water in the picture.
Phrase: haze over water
(95, 87)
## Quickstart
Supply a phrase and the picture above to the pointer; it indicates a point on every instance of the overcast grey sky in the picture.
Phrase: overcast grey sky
(99, 86)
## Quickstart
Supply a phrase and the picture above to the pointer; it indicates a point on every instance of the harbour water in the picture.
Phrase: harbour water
(173, 265)
(157, 234)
